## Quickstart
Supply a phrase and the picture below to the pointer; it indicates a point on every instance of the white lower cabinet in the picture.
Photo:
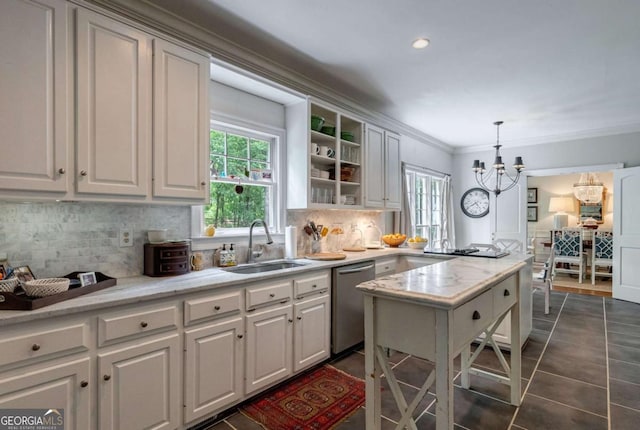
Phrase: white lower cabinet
(139, 385)
(64, 386)
(268, 347)
(312, 331)
(213, 368)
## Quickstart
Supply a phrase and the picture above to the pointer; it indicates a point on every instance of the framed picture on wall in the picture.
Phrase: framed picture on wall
(532, 195)
(532, 213)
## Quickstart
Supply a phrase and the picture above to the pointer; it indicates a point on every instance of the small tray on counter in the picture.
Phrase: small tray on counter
(19, 301)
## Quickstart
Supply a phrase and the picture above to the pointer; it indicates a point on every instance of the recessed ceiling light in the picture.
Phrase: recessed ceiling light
(420, 43)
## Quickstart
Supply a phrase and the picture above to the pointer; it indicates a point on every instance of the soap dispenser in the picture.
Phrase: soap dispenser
(231, 261)
(224, 256)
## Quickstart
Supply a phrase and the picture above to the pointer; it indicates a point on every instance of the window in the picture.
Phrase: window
(244, 180)
(424, 196)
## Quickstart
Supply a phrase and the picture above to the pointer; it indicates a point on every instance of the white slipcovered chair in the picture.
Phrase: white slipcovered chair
(567, 246)
(543, 280)
(601, 253)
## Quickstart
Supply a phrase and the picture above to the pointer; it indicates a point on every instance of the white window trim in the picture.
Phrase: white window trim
(278, 166)
(412, 171)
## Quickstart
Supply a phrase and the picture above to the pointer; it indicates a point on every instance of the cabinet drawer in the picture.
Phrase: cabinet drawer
(168, 254)
(504, 295)
(386, 266)
(120, 325)
(211, 307)
(471, 318)
(175, 267)
(265, 295)
(311, 285)
(34, 345)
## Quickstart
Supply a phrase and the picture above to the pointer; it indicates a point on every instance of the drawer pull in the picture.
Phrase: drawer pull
(290, 320)
(143, 324)
(106, 377)
(35, 347)
(314, 286)
(284, 301)
(272, 295)
(298, 318)
(240, 336)
(216, 308)
(476, 315)
(507, 293)
(83, 384)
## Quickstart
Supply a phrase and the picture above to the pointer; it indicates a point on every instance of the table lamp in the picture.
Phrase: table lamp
(560, 205)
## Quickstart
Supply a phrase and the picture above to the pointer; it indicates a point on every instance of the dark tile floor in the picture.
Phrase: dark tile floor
(580, 369)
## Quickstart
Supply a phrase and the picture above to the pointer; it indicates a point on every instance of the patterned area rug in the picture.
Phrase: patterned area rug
(318, 400)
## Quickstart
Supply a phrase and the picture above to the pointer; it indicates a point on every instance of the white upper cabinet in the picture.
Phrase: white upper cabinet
(114, 105)
(34, 105)
(181, 122)
(392, 185)
(383, 186)
(91, 123)
(324, 157)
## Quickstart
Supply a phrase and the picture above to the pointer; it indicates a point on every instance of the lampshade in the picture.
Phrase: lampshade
(561, 204)
(609, 203)
(589, 189)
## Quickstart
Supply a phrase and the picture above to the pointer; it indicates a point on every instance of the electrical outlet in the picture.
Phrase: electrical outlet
(126, 237)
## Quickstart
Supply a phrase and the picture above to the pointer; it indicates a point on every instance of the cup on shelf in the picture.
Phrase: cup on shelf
(325, 151)
(345, 153)
(315, 148)
(324, 174)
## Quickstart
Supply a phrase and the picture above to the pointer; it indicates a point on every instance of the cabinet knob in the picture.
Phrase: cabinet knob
(143, 324)
(272, 295)
(203, 183)
(216, 308)
(290, 320)
(476, 315)
(84, 384)
(83, 173)
(507, 293)
(240, 336)
(106, 377)
(314, 286)
(62, 171)
(35, 347)
(299, 318)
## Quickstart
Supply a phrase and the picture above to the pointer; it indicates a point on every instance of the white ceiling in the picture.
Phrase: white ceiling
(550, 69)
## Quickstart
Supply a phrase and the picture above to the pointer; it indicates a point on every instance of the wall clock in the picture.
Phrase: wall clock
(475, 203)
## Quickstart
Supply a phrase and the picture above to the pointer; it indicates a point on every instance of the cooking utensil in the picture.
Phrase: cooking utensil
(308, 230)
(316, 234)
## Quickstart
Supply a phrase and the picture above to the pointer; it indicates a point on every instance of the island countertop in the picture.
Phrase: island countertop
(449, 283)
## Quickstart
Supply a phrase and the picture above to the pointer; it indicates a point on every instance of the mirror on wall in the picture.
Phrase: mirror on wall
(592, 210)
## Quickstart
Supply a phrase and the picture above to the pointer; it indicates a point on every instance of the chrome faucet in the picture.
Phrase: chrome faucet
(251, 254)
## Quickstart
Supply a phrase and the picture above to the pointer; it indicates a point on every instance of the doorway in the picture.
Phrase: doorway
(542, 185)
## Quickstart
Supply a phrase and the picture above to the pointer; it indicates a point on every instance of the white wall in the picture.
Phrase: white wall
(228, 101)
(419, 154)
(623, 148)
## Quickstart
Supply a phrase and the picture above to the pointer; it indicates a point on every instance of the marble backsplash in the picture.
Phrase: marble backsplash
(57, 238)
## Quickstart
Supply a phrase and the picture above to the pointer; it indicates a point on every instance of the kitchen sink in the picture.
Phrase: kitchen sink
(267, 266)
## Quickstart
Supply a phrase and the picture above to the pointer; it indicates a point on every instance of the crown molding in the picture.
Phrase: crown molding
(227, 51)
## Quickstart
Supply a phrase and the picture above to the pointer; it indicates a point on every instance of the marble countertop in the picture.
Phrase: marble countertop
(144, 288)
(449, 283)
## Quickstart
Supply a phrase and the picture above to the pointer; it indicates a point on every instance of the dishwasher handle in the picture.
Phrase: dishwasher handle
(356, 270)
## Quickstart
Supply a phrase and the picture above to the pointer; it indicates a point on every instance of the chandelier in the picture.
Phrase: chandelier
(589, 188)
(498, 174)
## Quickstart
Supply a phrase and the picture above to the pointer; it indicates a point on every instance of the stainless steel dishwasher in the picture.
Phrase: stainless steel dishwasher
(347, 304)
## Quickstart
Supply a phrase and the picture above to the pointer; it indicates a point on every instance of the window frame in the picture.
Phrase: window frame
(429, 178)
(277, 137)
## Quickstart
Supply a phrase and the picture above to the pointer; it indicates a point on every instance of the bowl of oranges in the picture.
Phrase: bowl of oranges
(417, 242)
(394, 240)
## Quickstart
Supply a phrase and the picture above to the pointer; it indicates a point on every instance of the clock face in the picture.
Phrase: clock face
(475, 203)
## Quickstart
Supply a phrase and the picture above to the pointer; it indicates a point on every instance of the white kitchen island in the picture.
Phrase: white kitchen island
(435, 312)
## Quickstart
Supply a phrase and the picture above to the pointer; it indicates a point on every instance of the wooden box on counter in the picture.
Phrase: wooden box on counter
(166, 259)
